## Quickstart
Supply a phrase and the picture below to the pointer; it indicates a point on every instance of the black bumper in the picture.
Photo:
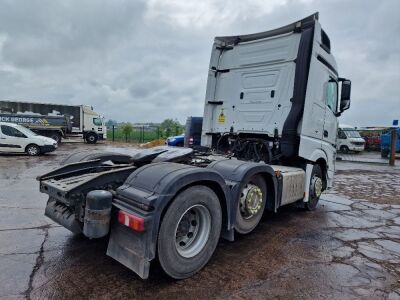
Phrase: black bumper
(47, 148)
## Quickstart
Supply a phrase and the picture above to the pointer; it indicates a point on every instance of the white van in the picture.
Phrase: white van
(349, 139)
(16, 138)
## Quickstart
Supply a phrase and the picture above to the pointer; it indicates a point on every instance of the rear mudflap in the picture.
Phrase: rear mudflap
(131, 248)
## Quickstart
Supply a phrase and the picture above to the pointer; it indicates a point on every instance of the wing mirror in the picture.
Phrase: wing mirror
(345, 94)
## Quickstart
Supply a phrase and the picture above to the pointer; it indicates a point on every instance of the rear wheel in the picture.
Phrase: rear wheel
(315, 189)
(91, 138)
(32, 150)
(251, 204)
(384, 153)
(344, 149)
(189, 232)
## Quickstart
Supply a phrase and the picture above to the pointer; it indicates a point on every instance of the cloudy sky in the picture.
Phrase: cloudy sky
(142, 61)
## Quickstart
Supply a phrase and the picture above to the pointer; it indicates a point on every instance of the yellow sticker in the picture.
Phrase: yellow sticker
(221, 117)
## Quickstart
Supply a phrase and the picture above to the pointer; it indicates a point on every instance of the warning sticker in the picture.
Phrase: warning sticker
(221, 117)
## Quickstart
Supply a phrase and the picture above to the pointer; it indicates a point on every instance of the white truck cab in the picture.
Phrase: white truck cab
(274, 96)
(349, 139)
(15, 138)
(93, 126)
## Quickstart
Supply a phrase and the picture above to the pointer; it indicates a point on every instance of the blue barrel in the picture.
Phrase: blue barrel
(97, 214)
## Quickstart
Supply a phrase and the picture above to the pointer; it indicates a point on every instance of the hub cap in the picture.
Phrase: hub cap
(316, 186)
(32, 150)
(250, 201)
(192, 231)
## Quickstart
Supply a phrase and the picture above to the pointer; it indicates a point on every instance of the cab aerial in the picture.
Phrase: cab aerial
(15, 138)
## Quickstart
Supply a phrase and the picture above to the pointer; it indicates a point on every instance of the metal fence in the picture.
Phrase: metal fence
(140, 134)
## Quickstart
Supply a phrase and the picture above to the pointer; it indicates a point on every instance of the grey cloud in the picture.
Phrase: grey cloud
(144, 61)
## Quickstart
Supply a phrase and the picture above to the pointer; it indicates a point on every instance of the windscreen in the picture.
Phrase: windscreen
(352, 133)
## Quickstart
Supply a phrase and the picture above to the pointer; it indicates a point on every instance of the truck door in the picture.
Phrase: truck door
(330, 121)
(11, 139)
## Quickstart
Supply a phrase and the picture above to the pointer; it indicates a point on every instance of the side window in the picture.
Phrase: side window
(11, 131)
(97, 122)
(332, 95)
(341, 134)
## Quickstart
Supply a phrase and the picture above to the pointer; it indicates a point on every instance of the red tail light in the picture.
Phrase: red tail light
(131, 221)
(191, 140)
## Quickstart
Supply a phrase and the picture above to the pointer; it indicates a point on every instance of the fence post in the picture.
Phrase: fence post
(393, 144)
(113, 132)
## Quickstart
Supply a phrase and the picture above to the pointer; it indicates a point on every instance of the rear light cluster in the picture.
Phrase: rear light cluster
(134, 222)
(191, 140)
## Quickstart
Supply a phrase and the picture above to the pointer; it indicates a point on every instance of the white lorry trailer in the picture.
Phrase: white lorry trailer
(55, 120)
(268, 137)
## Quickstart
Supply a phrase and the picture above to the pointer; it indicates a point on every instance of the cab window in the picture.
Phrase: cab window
(341, 134)
(11, 131)
(97, 121)
(331, 95)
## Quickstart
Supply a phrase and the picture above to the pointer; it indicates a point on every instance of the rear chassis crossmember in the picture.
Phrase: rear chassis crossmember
(68, 186)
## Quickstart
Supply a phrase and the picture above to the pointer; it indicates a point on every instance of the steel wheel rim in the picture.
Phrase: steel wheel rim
(192, 231)
(249, 208)
(316, 186)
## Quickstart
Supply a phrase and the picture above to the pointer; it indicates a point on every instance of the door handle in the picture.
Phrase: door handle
(325, 133)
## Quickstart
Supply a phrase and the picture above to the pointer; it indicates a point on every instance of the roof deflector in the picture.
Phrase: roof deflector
(299, 25)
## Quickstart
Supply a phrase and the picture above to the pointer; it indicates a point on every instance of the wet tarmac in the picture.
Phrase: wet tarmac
(348, 248)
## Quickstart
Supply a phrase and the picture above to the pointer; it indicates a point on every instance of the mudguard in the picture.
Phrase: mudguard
(236, 172)
(147, 193)
(94, 155)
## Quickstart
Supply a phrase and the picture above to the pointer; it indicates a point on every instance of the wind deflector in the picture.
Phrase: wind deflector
(293, 27)
(290, 140)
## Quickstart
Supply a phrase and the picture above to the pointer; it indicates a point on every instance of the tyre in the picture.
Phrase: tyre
(91, 138)
(384, 153)
(315, 189)
(189, 232)
(251, 204)
(32, 150)
(344, 149)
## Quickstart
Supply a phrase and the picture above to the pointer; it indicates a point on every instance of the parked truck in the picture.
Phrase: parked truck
(269, 124)
(386, 142)
(193, 130)
(55, 120)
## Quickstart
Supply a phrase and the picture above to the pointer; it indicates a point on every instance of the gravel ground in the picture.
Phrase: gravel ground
(348, 248)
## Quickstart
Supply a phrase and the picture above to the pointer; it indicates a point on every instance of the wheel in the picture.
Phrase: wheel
(32, 150)
(56, 137)
(91, 138)
(189, 232)
(315, 189)
(344, 149)
(251, 204)
(384, 153)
